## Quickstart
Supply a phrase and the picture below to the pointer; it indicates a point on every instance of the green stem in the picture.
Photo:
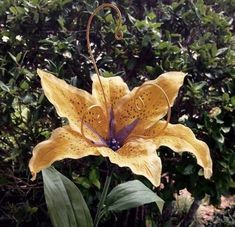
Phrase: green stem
(102, 199)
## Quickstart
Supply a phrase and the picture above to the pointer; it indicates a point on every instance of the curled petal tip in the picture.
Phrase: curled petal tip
(207, 173)
(42, 74)
(39, 71)
(34, 175)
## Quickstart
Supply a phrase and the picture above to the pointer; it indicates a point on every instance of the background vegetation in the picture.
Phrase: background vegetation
(193, 36)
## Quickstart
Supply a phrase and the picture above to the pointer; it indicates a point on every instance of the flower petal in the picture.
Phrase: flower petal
(63, 143)
(181, 138)
(72, 103)
(150, 104)
(114, 89)
(140, 156)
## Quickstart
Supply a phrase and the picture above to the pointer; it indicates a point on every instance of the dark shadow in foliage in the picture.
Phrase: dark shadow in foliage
(191, 36)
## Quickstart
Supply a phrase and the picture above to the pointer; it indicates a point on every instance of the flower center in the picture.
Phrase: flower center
(114, 144)
(117, 139)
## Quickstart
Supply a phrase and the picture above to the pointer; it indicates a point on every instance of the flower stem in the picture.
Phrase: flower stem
(102, 199)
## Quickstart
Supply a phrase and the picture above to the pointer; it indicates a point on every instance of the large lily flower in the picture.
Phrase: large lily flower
(125, 126)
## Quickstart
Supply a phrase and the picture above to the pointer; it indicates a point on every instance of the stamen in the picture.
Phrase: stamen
(118, 36)
(123, 134)
(137, 105)
(143, 105)
(111, 124)
(102, 140)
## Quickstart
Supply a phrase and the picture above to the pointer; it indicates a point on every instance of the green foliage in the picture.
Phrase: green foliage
(131, 194)
(193, 36)
(65, 202)
(91, 180)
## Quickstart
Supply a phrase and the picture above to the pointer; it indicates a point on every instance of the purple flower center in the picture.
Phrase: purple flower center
(115, 139)
(113, 144)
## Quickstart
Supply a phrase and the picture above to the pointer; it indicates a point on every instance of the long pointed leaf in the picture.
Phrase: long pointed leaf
(64, 201)
(131, 194)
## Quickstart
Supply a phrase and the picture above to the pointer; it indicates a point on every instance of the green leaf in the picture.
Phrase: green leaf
(13, 10)
(4, 87)
(18, 57)
(94, 177)
(151, 15)
(64, 201)
(131, 18)
(233, 100)
(131, 194)
(13, 57)
(221, 51)
(188, 170)
(83, 181)
(150, 69)
(61, 22)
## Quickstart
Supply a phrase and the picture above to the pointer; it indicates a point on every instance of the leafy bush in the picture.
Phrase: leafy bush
(190, 36)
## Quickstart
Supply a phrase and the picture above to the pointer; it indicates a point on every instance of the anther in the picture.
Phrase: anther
(114, 144)
(114, 141)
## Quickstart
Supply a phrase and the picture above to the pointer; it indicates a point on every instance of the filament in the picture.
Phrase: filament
(118, 36)
(142, 106)
(136, 103)
(103, 143)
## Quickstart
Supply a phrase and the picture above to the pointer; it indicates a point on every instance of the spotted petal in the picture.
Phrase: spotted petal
(140, 156)
(180, 138)
(149, 104)
(63, 143)
(114, 89)
(72, 103)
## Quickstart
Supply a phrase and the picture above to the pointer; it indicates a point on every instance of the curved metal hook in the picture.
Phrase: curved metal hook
(118, 36)
(103, 142)
(142, 106)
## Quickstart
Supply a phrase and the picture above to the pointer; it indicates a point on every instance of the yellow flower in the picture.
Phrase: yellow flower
(126, 127)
